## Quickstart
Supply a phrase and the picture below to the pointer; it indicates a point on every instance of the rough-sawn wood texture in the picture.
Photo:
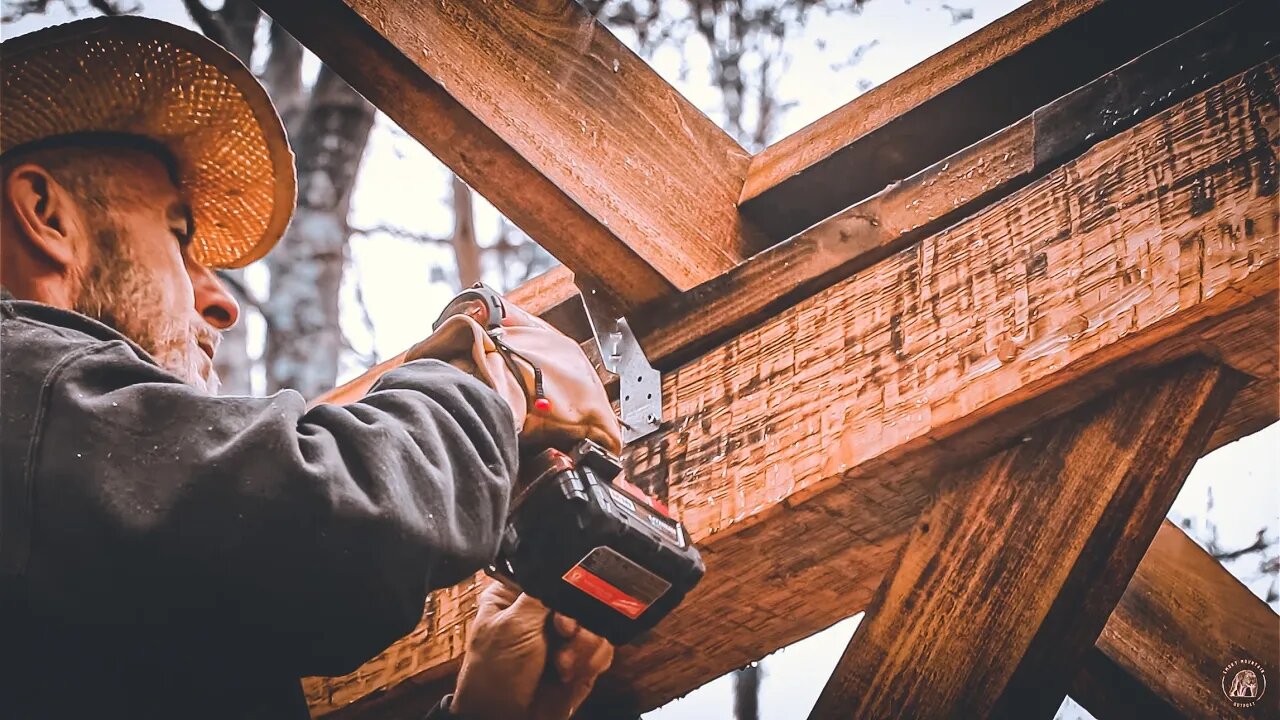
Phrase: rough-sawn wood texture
(800, 453)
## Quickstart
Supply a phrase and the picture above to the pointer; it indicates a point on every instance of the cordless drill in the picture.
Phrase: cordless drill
(578, 537)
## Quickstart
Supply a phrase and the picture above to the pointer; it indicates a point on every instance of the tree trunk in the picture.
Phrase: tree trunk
(233, 364)
(304, 337)
(746, 693)
(465, 247)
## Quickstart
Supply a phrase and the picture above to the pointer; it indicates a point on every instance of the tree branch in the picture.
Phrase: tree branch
(209, 24)
(1258, 545)
(401, 233)
(106, 7)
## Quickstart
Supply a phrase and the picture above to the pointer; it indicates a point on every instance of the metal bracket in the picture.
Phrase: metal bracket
(639, 385)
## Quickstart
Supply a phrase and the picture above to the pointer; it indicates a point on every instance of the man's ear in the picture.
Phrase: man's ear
(43, 212)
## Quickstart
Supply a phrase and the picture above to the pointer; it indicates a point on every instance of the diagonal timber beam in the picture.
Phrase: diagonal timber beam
(546, 114)
(1180, 604)
(973, 88)
(1008, 577)
(800, 452)
(684, 326)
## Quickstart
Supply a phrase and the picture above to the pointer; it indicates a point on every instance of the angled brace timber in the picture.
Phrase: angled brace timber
(1008, 578)
(1180, 623)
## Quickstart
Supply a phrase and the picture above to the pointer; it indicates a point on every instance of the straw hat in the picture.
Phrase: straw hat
(137, 76)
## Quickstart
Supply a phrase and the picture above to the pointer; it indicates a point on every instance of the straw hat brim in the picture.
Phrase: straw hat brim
(136, 76)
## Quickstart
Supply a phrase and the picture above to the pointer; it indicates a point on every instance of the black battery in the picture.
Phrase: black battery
(591, 550)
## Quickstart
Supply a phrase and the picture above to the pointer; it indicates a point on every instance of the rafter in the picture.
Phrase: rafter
(569, 134)
(984, 82)
(935, 356)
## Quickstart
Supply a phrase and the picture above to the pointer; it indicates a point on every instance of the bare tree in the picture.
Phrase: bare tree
(746, 692)
(465, 247)
(734, 31)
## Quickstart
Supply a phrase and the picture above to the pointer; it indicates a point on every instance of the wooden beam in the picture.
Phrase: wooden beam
(681, 327)
(1010, 574)
(684, 326)
(983, 83)
(1180, 604)
(570, 135)
(800, 452)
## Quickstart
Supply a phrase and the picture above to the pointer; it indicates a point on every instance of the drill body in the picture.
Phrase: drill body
(586, 543)
(594, 548)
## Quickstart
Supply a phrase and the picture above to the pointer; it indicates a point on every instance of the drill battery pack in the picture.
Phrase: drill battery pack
(590, 548)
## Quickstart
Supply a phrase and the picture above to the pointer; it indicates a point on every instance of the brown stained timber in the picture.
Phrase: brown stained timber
(1180, 604)
(569, 134)
(983, 83)
(800, 452)
(681, 327)
(1008, 577)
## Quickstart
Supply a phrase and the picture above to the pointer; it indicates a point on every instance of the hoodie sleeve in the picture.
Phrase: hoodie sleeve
(308, 537)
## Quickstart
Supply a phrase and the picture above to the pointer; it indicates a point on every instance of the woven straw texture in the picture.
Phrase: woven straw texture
(144, 77)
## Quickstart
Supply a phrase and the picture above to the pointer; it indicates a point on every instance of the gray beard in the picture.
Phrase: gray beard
(121, 295)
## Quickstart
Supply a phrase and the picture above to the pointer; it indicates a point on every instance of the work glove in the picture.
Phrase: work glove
(553, 389)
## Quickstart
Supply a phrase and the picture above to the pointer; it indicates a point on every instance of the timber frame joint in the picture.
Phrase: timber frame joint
(831, 364)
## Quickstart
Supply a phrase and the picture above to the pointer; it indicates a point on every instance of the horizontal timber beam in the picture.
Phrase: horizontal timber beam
(1180, 604)
(973, 88)
(570, 135)
(800, 452)
(1020, 558)
(682, 327)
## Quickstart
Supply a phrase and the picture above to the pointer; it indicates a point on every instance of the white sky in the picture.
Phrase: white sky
(402, 185)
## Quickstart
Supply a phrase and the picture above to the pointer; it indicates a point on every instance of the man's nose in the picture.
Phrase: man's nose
(214, 303)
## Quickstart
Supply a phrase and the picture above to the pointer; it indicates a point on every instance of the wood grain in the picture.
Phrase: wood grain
(800, 452)
(570, 134)
(684, 326)
(973, 88)
(1008, 577)
(1180, 604)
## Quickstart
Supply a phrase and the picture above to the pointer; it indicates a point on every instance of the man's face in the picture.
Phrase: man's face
(139, 276)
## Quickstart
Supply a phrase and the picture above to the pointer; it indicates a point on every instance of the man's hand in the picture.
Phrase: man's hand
(525, 663)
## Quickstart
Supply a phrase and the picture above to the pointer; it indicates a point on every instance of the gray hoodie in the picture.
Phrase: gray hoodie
(164, 553)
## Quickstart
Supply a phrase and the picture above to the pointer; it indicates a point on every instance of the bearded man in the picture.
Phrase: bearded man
(165, 552)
